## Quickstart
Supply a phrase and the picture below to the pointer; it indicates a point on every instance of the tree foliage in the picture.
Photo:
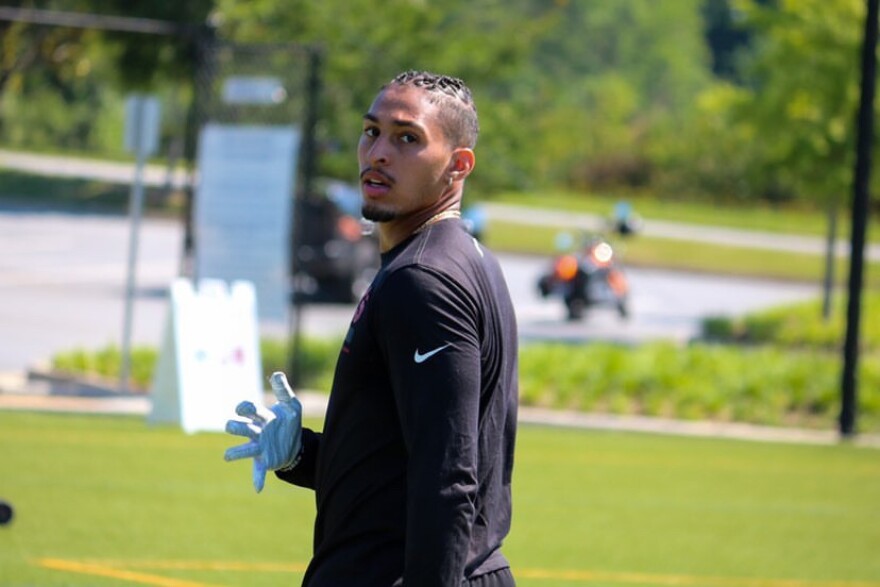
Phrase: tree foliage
(61, 86)
(567, 91)
(803, 91)
(716, 98)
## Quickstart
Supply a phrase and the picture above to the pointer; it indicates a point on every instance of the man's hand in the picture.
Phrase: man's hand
(275, 438)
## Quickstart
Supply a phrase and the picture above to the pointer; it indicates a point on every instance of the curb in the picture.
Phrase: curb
(695, 428)
(43, 390)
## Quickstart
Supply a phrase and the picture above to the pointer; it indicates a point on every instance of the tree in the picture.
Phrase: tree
(63, 59)
(145, 61)
(484, 42)
(725, 37)
(568, 91)
(25, 45)
(802, 91)
(612, 76)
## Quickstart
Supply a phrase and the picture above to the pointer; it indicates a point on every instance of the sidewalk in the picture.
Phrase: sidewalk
(731, 237)
(20, 392)
(103, 170)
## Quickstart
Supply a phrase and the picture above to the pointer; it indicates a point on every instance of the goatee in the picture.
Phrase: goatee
(377, 214)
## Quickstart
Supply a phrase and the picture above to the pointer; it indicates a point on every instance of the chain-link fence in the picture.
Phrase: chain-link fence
(59, 94)
(266, 84)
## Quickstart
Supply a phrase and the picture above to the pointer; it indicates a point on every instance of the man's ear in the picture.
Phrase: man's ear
(462, 163)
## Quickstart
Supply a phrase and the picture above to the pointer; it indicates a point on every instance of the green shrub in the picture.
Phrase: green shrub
(757, 384)
(106, 363)
(75, 361)
(798, 325)
(317, 360)
(719, 328)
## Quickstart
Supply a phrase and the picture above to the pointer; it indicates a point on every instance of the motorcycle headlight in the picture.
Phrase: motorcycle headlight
(603, 253)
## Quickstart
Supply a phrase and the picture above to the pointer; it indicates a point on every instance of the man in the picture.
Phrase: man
(412, 471)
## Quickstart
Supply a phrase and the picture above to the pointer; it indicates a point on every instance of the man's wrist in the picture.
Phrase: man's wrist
(294, 462)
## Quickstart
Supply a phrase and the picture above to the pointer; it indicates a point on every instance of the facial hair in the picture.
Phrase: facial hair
(376, 214)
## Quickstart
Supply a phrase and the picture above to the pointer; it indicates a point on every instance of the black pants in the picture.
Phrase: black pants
(499, 578)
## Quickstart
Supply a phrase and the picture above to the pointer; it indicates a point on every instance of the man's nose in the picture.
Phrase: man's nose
(377, 152)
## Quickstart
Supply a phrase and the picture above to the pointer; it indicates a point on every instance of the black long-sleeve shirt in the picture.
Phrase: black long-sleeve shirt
(412, 471)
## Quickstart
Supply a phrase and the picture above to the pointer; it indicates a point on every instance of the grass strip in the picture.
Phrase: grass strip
(794, 219)
(683, 255)
(81, 195)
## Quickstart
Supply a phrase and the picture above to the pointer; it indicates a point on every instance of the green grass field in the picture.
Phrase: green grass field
(107, 500)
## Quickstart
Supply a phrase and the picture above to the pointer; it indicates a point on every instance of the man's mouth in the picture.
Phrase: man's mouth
(375, 183)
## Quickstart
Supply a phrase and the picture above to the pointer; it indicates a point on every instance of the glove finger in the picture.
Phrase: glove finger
(242, 451)
(242, 429)
(247, 409)
(259, 475)
(283, 392)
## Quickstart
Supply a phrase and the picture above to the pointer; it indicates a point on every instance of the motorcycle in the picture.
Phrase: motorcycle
(588, 277)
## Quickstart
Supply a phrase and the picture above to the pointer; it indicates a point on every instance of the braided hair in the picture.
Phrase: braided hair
(458, 113)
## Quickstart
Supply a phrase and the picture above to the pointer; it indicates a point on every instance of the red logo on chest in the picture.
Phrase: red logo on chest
(360, 307)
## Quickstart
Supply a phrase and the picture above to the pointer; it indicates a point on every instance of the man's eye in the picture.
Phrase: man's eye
(408, 138)
(371, 132)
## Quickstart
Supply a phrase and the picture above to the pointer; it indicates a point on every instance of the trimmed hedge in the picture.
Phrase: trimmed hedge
(799, 326)
(317, 361)
(761, 385)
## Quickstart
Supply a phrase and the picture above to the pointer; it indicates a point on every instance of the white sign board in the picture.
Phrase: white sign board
(210, 358)
(243, 210)
(142, 117)
(255, 90)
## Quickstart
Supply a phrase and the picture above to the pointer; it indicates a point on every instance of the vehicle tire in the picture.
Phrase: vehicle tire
(576, 307)
(544, 286)
(623, 308)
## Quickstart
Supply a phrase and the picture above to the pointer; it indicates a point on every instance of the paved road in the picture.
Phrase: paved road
(62, 283)
(122, 172)
(663, 304)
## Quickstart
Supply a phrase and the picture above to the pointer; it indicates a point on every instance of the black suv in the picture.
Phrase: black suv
(336, 255)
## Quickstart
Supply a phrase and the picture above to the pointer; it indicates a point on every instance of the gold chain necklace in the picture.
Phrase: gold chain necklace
(437, 218)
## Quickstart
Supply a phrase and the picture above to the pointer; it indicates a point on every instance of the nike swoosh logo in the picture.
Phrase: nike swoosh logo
(421, 358)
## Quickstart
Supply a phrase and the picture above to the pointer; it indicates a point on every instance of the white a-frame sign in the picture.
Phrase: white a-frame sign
(210, 357)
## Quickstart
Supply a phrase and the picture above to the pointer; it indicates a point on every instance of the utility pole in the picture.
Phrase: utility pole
(862, 176)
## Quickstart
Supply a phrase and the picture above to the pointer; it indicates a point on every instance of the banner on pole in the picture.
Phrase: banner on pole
(243, 209)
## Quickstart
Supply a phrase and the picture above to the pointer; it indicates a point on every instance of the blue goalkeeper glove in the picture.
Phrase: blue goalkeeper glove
(275, 438)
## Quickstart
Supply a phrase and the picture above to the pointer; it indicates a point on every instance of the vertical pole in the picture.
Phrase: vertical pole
(830, 260)
(310, 152)
(859, 223)
(135, 205)
(204, 47)
(308, 162)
